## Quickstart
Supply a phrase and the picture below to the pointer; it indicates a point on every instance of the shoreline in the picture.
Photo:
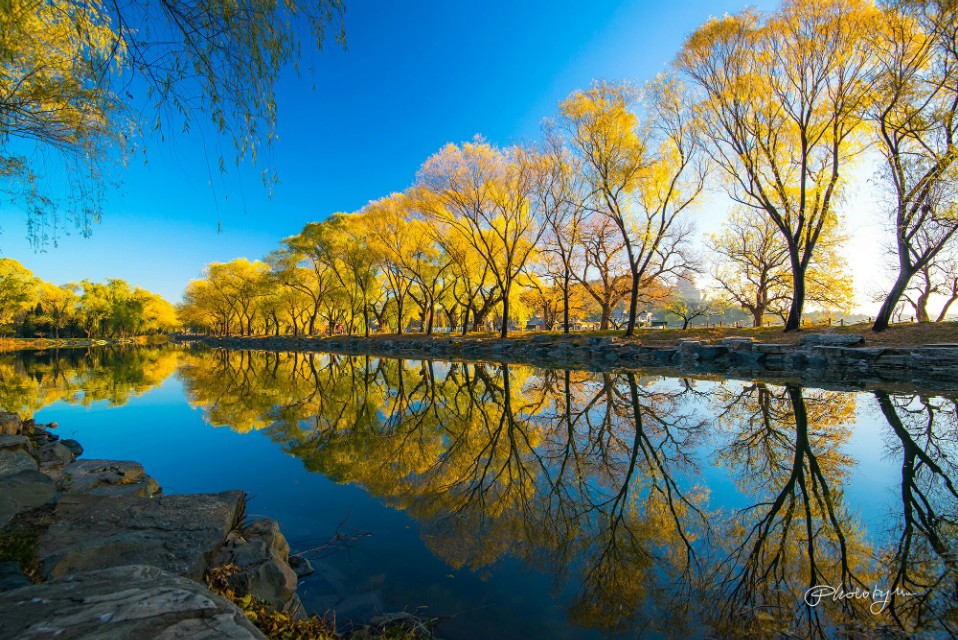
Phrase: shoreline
(821, 357)
(85, 542)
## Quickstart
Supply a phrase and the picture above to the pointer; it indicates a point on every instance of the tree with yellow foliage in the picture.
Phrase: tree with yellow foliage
(915, 115)
(781, 98)
(18, 290)
(754, 274)
(643, 175)
(485, 196)
(69, 70)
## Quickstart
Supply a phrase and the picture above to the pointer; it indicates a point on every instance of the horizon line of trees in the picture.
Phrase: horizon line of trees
(33, 308)
(775, 108)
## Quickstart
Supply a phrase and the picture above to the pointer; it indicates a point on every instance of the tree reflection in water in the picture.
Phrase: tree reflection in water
(601, 480)
(32, 380)
(596, 478)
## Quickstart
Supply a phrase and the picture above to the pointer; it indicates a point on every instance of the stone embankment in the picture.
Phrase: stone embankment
(104, 554)
(833, 357)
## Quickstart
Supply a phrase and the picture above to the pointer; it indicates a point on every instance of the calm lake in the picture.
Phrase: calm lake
(517, 501)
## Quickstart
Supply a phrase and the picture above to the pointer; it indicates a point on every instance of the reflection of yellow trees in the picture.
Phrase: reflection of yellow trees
(785, 447)
(30, 381)
(575, 473)
(921, 563)
(591, 477)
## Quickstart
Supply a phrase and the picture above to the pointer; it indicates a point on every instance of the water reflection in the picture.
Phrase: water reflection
(32, 380)
(597, 479)
(660, 507)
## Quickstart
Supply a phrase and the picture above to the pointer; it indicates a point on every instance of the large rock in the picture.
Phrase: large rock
(832, 339)
(9, 423)
(23, 491)
(177, 533)
(11, 577)
(54, 455)
(17, 454)
(121, 603)
(935, 356)
(261, 555)
(107, 478)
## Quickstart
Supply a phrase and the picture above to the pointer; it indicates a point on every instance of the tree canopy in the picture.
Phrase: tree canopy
(82, 82)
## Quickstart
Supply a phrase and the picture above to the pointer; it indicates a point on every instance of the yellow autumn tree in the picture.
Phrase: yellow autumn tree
(782, 97)
(484, 195)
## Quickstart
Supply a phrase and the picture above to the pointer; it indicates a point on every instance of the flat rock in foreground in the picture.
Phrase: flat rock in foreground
(178, 533)
(121, 603)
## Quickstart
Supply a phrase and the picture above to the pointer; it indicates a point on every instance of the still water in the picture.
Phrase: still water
(521, 502)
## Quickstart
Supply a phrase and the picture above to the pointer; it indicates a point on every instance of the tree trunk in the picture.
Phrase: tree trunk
(399, 302)
(794, 321)
(465, 320)
(954, 296)
(894, 296)
(921, 307)
(565, 303)
(504, 330)
(758, 314)
(633, 300)
(606, 317)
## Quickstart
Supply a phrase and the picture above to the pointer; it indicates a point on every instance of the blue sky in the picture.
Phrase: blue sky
(357, 124)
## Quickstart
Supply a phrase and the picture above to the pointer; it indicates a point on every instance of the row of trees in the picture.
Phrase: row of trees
(776, 108)
(31, 307)
(788, 100)
(593, 217)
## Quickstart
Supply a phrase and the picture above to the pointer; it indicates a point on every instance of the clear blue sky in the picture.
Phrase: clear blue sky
(358, 124)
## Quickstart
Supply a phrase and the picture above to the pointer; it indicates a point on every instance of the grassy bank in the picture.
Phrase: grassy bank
(901, 335)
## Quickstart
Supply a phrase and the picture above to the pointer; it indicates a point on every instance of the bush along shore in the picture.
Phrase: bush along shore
(840, 357)
(94, 549)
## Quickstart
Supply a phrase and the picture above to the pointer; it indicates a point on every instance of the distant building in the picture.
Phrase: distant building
(535, 324)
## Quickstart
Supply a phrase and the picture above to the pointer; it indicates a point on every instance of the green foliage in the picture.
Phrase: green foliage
(31, 307)
(19, 545)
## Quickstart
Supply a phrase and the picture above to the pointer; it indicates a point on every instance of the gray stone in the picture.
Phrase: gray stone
(711, 352)
(864, 353)
(935, 356)
(73, 446)
(773, 348)
(664, 355)
(738, 343)
(11, 577)
(261, 554)
(747, 358)
(107, 478)
(894, 360)
(16, 455)
(23, 491)
(301, 566)
(54, 454)
(832, 339)
(177, 533)
(120, 603)
(14, 441)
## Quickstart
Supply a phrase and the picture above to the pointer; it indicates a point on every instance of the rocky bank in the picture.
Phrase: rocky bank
(102, 553)
(817, 358)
